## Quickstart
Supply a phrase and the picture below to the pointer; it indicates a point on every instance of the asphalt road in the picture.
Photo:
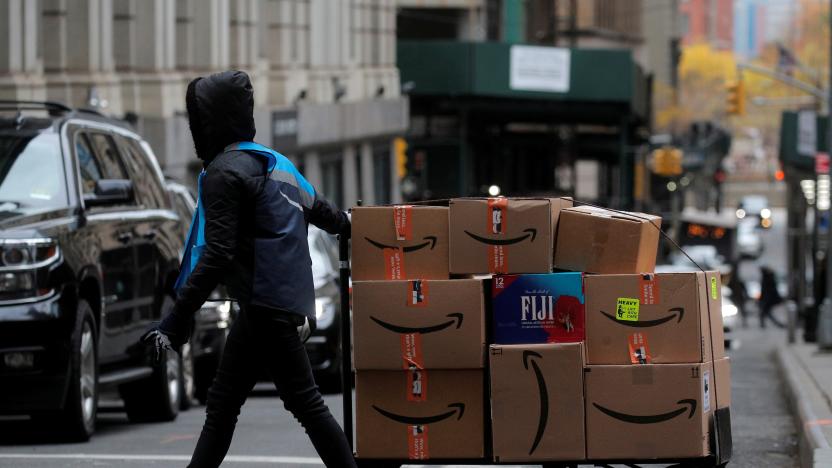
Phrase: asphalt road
(763, 431)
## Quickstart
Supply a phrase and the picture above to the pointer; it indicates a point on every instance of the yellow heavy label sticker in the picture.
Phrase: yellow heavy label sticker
(714, 290)
(627, 309)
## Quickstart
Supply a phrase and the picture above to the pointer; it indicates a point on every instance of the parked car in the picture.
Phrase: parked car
(755, 207)
(322, 347)
(730, 316)
(88, 245)
(705, 256)
(201, 355)
(749, 241)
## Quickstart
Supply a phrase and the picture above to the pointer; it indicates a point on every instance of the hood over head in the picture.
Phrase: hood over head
(220, 112)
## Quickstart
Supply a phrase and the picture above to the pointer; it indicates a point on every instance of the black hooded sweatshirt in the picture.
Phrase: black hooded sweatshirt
(220, 113)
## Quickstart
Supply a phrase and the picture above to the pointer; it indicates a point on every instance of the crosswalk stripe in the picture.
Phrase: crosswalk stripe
(177, 458)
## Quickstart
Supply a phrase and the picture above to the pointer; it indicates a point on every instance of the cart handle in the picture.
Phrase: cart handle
(346, 336)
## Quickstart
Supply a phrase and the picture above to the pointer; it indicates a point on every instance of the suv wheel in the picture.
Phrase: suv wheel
(187, 381)
(158, 397)
(77, 420)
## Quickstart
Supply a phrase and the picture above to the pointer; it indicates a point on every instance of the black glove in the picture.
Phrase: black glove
(171, 333)
(346, 226)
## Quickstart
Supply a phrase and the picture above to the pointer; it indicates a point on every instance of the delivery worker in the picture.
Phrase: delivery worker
(250, 233)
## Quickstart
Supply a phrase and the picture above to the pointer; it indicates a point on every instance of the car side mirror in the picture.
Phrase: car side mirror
(110, 192)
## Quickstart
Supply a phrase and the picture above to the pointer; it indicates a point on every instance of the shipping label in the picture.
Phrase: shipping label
(394, 264)
(497, 209)
(497, 254)
(417, 442)
(706, 391)
(627, 309)
(639, 350)
(417, 293)
(648, 287)
(417, 384)
(411, 346)
(497, 261)
(403, 221)
(714, 288)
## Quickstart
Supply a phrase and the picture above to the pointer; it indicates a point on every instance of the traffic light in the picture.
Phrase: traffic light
(667, 161)
(400, 149)
(735, 101)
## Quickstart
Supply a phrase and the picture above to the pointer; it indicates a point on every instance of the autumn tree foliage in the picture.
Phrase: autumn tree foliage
(705, 71)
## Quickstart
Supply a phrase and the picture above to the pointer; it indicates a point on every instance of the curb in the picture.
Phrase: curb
(814, 450)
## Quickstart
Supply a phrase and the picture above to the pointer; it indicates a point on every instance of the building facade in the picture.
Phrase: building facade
(510, 97)
(710, 21)
(749, 28)
(324, 73)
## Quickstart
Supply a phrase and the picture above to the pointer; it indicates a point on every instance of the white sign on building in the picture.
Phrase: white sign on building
(539, 69)
(807, 133)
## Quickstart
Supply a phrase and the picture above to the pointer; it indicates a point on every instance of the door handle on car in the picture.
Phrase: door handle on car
(124, 237)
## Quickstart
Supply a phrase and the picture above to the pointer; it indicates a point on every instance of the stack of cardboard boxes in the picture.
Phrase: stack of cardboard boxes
(602, 360)
(419, 339)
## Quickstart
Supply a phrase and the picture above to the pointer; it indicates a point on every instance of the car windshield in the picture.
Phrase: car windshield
(31, 172)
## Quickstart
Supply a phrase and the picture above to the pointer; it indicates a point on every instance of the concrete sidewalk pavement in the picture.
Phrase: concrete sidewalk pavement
(807, 377)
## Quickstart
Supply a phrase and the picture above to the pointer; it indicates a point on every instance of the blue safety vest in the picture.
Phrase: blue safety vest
(282, 276)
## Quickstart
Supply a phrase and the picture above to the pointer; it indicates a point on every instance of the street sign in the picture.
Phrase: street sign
(807, 133)
(822, 163)
(534, 68)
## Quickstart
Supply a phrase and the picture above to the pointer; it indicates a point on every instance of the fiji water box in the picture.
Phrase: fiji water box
(538, 308)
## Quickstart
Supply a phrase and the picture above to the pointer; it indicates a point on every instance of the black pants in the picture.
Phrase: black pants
(766, 312)
(265, 340)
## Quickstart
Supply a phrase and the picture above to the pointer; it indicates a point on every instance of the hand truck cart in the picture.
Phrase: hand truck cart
(720, 433)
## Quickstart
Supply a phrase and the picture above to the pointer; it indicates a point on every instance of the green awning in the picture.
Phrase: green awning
(515, 71)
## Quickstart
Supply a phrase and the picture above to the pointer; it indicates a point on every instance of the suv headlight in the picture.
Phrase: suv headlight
(324, 312)
(27, 253)
(19, 261)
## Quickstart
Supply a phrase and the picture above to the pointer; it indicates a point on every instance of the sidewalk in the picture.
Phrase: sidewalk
(807, 376)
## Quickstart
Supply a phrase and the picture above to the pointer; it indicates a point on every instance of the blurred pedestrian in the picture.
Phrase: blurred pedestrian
(250, 233)
(769, 297)
(739, 293)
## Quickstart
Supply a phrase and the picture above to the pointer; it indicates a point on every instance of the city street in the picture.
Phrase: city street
(267, 435)
(545, 205)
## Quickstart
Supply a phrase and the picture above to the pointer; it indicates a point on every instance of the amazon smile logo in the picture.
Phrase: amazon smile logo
(421, 421)
(455, 318)
(544, 397)
(530, 233)
(688, 405)
(648, 323)
(429, 241)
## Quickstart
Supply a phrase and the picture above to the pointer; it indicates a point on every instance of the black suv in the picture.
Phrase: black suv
(89, 247)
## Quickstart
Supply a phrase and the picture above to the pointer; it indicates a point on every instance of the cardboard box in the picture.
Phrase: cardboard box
(503, 235)
(443, 419)
(651, 411)
(427, 324)
(537, 402)
(595, 240)
(542, 308)
(722, 371)
(401, 242)
(660, 318)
